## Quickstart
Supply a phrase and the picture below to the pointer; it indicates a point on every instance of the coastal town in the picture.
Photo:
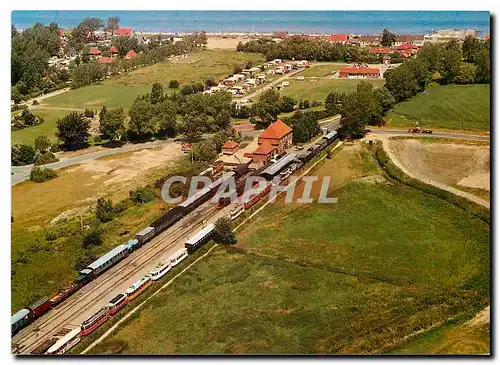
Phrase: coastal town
(268, 192)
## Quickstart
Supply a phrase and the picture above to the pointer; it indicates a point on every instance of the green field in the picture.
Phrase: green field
(122, 90)
(47, 128)
(451, 106)
(319, 70)
(352, 277)
(318, 89)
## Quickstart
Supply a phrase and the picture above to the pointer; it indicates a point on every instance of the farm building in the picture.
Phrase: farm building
(359, 72)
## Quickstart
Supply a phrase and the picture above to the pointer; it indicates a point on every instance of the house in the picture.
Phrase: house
(230, 147)
(409, 39)
(353, 41)
(302, 63)
(288, 67)
(113, 50)
(369, 40)
(94, 51)
(130, 54)
(123, 31)
(339, 38)
(359, 72)
(277, 135)
(379, 51)
(263, 153)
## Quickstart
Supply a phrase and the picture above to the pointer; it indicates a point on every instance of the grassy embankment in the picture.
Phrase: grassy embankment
(122, 90)
(353, 277)
(460, 107)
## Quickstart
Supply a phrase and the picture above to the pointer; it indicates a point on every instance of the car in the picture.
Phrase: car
(285, 83)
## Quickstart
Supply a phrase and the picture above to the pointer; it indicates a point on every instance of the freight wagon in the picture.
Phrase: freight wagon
(168, 219)
(145, 235)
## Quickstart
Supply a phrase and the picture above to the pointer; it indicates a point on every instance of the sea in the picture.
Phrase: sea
(308, 22)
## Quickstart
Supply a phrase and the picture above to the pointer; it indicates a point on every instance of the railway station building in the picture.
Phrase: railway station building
(277, 135)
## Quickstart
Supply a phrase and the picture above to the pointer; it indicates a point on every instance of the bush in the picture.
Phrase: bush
(104, 210)
(92, 238)
(22, 154)
(40, 175)
(173, 84)
(35, 102)
(142, 195)
(89, 113)
(45, 158)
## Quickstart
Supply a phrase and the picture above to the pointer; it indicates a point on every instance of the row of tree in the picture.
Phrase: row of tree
(299, 47)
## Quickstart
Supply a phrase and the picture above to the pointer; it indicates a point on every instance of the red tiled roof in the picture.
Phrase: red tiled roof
(409, 38)
(131, 53)
(95, 51)
(230, 144)
(406, 46)
(123, 31)
(377, 50)
(354, 40)
(106, 60)
(359, 70)
(113, 49)
(276, 130)
(264, 149)
(339, 37)
(486, 37)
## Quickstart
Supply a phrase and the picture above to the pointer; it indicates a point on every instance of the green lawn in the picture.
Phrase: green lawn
(320, 70)
(47, 128)
(318, 89)
(450, 106)
(352, 277)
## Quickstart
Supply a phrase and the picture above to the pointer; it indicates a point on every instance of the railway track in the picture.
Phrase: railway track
(78, 306)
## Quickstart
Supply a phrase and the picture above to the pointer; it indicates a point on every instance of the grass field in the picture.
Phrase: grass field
(47, 128)
(320, 70)
(450, 106)
(320, 88)
(352, 277)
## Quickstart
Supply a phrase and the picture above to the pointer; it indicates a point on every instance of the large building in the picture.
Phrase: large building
(359, 72)
(278, 135)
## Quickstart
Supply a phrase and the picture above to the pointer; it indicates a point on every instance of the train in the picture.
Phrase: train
(281, 169)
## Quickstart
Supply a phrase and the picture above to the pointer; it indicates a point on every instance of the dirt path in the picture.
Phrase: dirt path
(48, 95)
(387, 147)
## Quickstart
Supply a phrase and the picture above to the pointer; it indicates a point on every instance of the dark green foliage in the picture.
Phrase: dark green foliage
(40, 175)
(112, 124)
(45, 158)
(87, 73)
(22, 155)
(73, 130)
(305, 126)
(388, 38)
(125, 44)
(142, 195)
(333, 102)
(92, 238)
(204, 151)
(173, 84)
(104, 210)
(287, 104)
(89, 113)
(224, 231)
(42, 144)
(193, 126)
(156, 95)
(25, 119)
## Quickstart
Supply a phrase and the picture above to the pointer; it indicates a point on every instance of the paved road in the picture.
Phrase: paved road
(22, 173)
(399, 132)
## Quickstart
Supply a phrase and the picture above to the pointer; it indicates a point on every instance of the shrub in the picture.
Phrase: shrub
(173, 84)
(104, 210)
(40, 175)
(92, 238)
(22, 154)
(142, 195)
(45, 158)
(35, 102)
(89, 113)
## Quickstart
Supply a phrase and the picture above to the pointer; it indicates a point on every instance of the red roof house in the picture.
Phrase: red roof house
(94, 51)
(339, 38)
(230, 147)
(131, 54)
(263, 153)
(368, 72)
(113, 49)
(278, 135)
(378, 50)
(123, 31)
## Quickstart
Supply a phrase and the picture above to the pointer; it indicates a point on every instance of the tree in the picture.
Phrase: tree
(156, 95)
(125, 44)
(42, 144)
(112, 125)
(187, 89)
(112, 24)
(388, 38)
(333, 102)
(194, 125)
(466, 74)
(141, 122)
(87, 73)
(73, 130)
(432, 54)
(142, 195)
(451, 62)
(483, 63)
(104, 210)
(173, 84)
(401, 83)
(268, 107)
(22, 155)
(471, 48)
(40, 175)
(92, 238)
(224, 232)
(102, 113)
(222, 120)
(166, 118)
(204, 151)
(85, 32)
(287, 104)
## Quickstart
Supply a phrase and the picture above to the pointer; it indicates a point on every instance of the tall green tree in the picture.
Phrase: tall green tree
(112, 25)
(156, 96)
(388, 38)
(194, 125)
(471, 48)
(466, 74)
(141, 121)
(73, 130)
(451, 62)
(85, 32)
(112, 125)
(166, 118)
(125, 44)
(224, 231)
(483, 63)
